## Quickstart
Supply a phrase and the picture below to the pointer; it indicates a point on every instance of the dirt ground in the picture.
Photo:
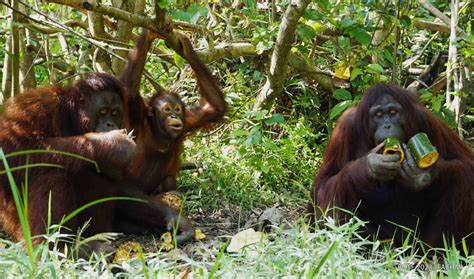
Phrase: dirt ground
(219, 226)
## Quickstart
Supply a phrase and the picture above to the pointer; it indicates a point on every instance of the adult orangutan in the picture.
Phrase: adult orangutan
(82, 119)
(434, 202)
(162, 123)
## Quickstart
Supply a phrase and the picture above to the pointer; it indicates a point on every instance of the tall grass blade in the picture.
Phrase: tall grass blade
(36, 151)
(22, 212)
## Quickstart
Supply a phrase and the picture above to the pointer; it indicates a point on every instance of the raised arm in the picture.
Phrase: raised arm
(212, 105)
(133, 71)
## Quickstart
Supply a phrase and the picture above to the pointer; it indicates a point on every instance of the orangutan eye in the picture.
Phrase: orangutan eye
(379, 114)
(177, 109)
(167, 108)
(103, 111)
(115, 113)
(393, 111)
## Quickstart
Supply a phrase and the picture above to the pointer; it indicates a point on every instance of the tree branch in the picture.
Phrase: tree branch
(278, 65)
(432, 9)
(116, 13)
(227, 50)
(162, 25)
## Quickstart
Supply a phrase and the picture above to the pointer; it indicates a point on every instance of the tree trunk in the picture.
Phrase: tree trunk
(27, 67)
(16, 50)
(124, 32)
(277, 73)
(101, 61)
(453, 70)
(7, 70)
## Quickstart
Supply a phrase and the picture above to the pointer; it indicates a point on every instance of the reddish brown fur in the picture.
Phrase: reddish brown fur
(53, 118)
(446, 206)
(158, 158)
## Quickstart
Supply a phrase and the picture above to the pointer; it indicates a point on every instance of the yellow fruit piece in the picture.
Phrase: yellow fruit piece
(173, 200)
(428, 160)
(198, 235)
(167, 242)
(127, 251)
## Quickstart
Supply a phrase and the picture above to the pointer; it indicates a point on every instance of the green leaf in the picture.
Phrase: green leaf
(276, 118)
(257, 76)
(405, 21)
(375, 68)
(164, 3)
(263, 45)
(264, 167)
(347, 23)
(178, 60)
(361, 36)
(192, 14)
(312, 14)
(239, 133)
(257, 115)
(305, 31)
(388, 55)
(339, 109)
(232, 96)
(355, 72)
(469, 118)
(343, 42)
(255, 137)
(342, 94)
(270, 145)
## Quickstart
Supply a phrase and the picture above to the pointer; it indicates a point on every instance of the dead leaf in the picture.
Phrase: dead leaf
(270, 217)
(243, 239)
(185, 273)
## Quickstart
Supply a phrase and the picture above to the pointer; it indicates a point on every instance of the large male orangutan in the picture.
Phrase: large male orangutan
(162, 123)
(435, 202)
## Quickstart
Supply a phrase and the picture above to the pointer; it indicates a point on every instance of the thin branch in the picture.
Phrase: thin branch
(116, 13)
(51, 21)
(407, 63)
(432, 26)
(227, 50)
(52, 30)
(162, 25)
(432, 9)
(183, 25)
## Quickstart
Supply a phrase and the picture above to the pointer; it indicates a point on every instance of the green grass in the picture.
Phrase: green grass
(337, 251)
(228, 175)
(29, 256)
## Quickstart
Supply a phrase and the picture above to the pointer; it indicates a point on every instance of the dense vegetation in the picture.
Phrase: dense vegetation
(267, 152)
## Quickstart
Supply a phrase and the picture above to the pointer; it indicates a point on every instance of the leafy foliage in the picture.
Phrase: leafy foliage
(259, 158)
